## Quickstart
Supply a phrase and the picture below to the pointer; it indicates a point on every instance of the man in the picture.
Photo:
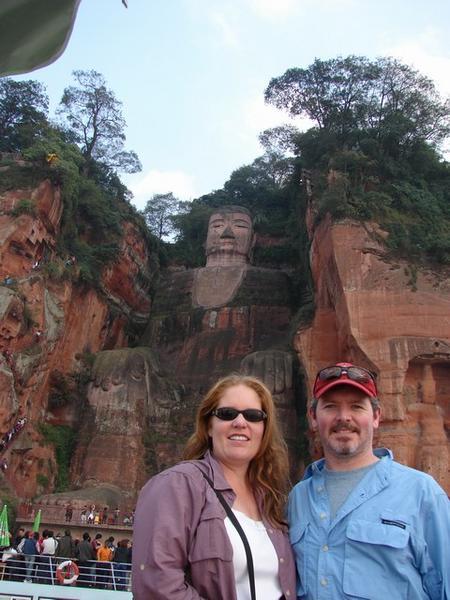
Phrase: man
(363, 526)
(66, 545)
(19, 537)
(85, 555)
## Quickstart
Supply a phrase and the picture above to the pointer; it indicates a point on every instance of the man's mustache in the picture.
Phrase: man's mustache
(345, 427)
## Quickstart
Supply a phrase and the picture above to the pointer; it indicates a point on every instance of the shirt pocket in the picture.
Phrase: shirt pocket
(211, 542)
(297, 537)
(373, 553)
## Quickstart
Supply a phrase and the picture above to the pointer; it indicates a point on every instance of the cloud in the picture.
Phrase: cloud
(257, 116)
(224, 27)
(274, 9)
(428, 54)
(162, 182)
(284, 9)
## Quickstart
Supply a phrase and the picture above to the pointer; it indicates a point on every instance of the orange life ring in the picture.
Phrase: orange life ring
(67, 572)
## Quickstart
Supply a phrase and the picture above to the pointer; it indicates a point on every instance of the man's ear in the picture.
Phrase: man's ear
(376, 417)
(312, 418)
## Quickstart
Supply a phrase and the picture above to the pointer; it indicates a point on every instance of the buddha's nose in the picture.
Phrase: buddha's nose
(227, 233)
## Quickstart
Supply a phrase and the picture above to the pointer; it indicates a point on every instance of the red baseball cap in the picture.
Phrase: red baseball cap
(344, 373)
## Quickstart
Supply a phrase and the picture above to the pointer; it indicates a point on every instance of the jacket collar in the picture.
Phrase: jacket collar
(217, 476)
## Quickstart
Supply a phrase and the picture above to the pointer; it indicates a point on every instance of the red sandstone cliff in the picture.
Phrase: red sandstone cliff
(47, 326)
(393, 319)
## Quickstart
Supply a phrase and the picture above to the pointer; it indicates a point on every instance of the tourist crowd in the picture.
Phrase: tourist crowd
(34, 558)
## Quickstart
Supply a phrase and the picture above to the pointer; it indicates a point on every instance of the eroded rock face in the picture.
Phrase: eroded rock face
(393, 320)
(130, 406)
(48, 326)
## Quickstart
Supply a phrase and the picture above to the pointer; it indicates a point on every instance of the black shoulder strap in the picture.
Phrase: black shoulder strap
(234, 520)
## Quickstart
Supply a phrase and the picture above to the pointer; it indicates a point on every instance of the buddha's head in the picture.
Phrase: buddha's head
(230, 237)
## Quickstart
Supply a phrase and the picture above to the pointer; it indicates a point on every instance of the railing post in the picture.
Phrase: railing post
(52, 577)
(113, 576)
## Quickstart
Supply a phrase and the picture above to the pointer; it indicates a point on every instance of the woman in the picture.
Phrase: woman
(185, 545)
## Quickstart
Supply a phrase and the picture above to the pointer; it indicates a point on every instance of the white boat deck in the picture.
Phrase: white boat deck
(18, 590)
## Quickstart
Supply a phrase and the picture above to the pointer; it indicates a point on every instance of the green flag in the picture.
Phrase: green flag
(5, 539)
(37, 521)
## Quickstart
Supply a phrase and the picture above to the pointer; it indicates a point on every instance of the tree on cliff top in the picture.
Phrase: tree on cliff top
(159, 214)
(95, 120)
(354, 97)
(23, 113)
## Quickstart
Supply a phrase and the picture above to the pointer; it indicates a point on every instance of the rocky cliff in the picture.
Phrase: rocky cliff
(393, 318)
(50, 324)
(65, 360)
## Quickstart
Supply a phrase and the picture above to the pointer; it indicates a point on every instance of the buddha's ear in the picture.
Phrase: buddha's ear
(252, 245)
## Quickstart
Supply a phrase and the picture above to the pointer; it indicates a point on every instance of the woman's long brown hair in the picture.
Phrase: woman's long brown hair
(268, 470)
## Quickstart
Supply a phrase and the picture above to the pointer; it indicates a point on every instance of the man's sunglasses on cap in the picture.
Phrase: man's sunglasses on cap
(252, 415)
(345, 373)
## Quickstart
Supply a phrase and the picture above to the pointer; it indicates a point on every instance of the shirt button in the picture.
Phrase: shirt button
(142, 567)
(325, 548)
(281, 560)
(287, 593)
(323, 582)
(320, 488)
(270, 530)
(323, 515)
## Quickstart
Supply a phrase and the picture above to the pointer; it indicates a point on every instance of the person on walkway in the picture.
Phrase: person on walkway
(361, 524)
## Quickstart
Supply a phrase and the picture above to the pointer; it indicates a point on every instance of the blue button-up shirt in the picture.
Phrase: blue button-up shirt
(389, 540)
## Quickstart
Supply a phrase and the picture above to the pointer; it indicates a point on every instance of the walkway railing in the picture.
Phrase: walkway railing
(57, 515)
(43, 569)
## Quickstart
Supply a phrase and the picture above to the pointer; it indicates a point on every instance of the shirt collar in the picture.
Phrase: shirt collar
(220, 483)
(318, 466)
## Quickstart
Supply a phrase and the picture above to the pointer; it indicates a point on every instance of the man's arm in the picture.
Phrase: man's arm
(436, 529)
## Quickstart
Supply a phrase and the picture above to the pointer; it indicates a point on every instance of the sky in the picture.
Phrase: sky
(191, 74)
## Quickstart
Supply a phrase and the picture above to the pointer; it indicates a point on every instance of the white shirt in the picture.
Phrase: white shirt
(49, 546)
(265, 559)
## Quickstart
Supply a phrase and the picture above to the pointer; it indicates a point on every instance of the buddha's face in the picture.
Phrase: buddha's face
(230, 238)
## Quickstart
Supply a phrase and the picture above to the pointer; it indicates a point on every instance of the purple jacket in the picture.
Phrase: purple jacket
(180, 536)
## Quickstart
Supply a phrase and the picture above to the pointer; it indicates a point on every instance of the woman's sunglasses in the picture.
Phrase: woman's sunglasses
(252, 415)
(355, 373)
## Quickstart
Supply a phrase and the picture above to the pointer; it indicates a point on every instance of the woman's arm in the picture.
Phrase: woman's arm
(167, 514)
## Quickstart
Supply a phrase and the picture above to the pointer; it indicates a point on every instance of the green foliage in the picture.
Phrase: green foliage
(18, 177)
(275, 256)
(61, 390)
(384, 99)
(23, 207)
(372, 154)
(54, 270)
(63, 440)
(42, 480)
(95, 202)
(160, 212)
(23, 113)
(94, 119)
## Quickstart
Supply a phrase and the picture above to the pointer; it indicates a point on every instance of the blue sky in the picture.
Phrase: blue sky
(191, 73)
